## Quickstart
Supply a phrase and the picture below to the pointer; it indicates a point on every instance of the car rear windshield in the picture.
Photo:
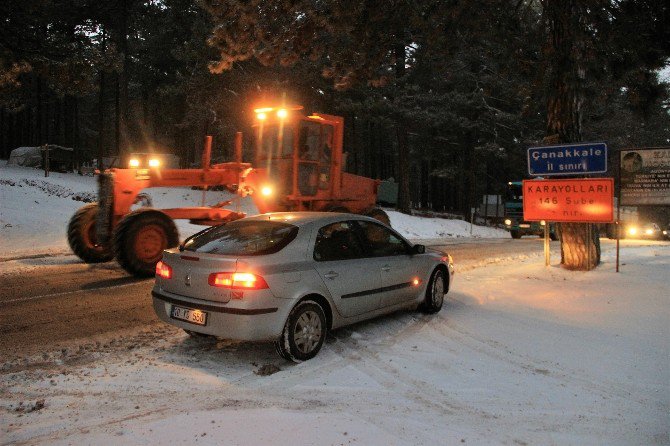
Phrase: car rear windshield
(244, 238)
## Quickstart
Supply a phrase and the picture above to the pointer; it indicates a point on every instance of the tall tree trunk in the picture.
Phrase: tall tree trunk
(580, 244)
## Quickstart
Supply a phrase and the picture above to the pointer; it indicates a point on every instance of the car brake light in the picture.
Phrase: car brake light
(163, 270)
(237, 281)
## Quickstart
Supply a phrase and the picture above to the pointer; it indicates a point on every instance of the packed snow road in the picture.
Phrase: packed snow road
(49, 301)
(520, 354)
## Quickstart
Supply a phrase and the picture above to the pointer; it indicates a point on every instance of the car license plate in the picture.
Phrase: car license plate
(524, 225)
(186, 314)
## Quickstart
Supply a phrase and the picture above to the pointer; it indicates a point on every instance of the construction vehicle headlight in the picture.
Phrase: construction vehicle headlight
(154, 162)
(134, 162)
(266, 191)
(508, 222)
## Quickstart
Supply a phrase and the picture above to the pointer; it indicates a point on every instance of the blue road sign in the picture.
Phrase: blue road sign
(568, 159)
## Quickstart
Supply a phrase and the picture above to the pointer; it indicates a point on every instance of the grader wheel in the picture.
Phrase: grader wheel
(82, 239)
(140, 238)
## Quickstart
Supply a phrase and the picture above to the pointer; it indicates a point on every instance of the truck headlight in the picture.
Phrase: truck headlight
(134, 162)
(154, 162)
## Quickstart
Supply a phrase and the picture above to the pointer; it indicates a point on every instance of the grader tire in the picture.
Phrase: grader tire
(380, 215)
(81, 236)
(140, 238)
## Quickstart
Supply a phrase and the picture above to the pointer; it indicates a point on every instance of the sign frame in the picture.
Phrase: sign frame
(570, 186)
(579, 160)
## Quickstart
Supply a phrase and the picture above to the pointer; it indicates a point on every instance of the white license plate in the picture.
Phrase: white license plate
(186, 314)
(524, 226)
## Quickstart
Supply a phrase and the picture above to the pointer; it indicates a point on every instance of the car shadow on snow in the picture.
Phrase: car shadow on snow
(252, 361)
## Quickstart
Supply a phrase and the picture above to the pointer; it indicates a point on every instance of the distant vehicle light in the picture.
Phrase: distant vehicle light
(649, 231)
(665, 232)
(282, 113)
(261, 116)
(134, 162)
(154, 162)
(508, 222)
(266, 191)
(632, 231)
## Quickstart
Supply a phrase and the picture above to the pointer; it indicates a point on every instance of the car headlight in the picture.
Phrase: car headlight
(632, 231)
(649, 231)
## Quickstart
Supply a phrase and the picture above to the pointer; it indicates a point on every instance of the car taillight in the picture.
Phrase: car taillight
(237, 281)
(163, 270)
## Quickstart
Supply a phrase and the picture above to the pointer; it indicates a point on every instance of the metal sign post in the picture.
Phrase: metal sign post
(546, 244)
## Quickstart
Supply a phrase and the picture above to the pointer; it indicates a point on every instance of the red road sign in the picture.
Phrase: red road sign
(577, 200)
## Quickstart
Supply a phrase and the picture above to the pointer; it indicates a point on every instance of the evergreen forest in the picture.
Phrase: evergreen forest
(443, 96)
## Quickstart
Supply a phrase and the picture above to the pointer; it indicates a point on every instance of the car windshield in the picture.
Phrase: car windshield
(244, 238)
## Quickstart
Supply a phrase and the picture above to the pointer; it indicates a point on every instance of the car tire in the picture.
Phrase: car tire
(515, 234)
(140, 238)
(435, 292)
(304, 332)
(81, 236)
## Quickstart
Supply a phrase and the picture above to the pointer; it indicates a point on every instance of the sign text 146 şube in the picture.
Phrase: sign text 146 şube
(575, 200)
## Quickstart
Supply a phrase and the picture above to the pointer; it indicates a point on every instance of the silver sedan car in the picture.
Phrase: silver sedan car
(291, 277)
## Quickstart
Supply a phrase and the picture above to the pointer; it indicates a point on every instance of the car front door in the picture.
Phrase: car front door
(399, 272)
(352, 280)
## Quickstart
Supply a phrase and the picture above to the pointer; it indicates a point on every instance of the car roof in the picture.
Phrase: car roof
(303, 218)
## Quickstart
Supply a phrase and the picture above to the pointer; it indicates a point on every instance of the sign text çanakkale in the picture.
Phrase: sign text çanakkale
(569, 159)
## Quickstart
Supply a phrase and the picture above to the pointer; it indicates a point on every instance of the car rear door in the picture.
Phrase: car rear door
(399, 271)
(352, 280)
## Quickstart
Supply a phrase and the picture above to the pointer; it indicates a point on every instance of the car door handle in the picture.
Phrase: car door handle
(386, 268)
(331, 275)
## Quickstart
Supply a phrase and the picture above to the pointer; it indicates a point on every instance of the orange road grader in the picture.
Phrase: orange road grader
(298, 167)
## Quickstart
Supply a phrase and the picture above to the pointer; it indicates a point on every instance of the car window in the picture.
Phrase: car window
(381, 241)
(337, 241)
(244, 238)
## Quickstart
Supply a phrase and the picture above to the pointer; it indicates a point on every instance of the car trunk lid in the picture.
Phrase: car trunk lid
(190, 275)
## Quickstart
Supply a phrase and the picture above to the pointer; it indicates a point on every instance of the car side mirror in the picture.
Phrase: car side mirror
(418, 249)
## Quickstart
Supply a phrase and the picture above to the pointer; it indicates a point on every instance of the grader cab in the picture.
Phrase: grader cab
(298, 166)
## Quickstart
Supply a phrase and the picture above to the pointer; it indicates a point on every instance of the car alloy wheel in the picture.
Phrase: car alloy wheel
(304, 332)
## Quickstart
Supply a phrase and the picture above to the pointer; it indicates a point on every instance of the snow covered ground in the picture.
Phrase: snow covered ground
(520, 355)
(35, 211)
